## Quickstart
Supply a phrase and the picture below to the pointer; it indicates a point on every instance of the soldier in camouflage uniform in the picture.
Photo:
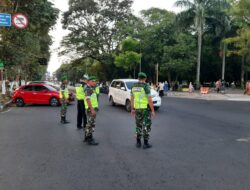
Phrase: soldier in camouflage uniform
(91, 106)
(64, 96)
(141, 105)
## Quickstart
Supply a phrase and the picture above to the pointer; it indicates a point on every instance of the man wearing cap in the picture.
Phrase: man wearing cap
(64, 96)
(143, 109)
(91, 106)
(80, 96)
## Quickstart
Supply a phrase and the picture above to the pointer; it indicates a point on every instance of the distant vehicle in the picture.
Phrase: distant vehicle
(119, 93)
(57, 87)
(36, 94)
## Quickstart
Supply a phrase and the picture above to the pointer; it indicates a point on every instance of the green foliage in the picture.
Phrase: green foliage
(180, 57)
(20, 49)
(93, 27)
(129, 58)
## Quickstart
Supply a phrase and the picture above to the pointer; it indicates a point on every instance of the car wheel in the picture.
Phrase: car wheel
(19, 102)
(54, 102)
(112, 103)
(128, 106)
(156, 108)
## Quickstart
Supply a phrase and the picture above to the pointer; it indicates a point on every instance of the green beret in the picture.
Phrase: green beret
(142, 75)
(93, 78)
(64, 77)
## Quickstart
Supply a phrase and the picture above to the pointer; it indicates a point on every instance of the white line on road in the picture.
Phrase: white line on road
(246, 139)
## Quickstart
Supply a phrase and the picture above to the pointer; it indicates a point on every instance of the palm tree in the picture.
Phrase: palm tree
(196, 14)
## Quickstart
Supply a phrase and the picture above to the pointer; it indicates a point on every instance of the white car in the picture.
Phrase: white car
(119, 93)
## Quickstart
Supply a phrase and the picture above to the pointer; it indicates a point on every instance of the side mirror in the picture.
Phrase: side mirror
(123, 88)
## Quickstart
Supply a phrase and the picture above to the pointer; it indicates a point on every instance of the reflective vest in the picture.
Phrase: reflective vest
(97, 90)
(66, 93)
(93, 100)
(80, 95)
(140, 98)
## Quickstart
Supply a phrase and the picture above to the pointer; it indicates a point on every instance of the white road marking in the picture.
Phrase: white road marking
(246, 139)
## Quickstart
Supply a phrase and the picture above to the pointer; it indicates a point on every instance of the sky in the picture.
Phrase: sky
(57, 33)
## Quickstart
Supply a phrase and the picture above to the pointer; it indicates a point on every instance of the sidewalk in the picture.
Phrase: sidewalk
(4, 101)
(230, 95)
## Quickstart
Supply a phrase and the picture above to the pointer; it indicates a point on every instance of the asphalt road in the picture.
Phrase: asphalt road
(197, 144)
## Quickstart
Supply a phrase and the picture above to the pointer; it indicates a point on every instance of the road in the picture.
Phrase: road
(197, 144)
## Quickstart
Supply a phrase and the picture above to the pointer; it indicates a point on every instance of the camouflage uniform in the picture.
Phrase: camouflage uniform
(63, 101)
(91, 120)
(142, 116)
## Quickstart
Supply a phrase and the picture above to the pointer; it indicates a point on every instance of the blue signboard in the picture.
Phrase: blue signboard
(5, 19)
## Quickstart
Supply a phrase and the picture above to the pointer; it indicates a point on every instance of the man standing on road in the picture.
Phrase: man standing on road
(81, 112)
(91, 106)
(141, 105)
(64, 96)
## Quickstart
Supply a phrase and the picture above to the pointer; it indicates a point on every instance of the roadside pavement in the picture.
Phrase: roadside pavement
(230, 95)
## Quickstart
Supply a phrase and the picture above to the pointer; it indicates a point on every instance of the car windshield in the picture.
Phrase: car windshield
(130, 84)
(51, 88)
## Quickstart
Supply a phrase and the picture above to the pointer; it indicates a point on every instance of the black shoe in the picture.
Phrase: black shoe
(146, 144)
(138, 143)
(92, 142)
(79, 127)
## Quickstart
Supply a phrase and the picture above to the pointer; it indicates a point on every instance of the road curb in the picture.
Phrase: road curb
(2, 107)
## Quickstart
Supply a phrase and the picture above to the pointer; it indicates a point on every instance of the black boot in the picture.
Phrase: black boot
(146, 144)
(63, 120)
(138, 143)
(91, 141)
(85, 138)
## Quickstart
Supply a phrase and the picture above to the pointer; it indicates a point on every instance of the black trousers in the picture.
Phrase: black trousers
(81, 114)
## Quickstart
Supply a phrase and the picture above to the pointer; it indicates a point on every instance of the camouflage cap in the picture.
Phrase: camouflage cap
(142, 75)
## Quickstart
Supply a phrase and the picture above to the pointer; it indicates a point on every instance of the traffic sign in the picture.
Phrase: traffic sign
(5, 19)
(20, 21)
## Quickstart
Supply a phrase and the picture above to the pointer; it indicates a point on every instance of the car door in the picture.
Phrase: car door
(41, 94)
(27, 94)
(113, 91)
(122, 93)
(118, 92)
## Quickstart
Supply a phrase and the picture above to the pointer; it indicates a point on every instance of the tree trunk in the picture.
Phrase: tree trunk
(157, 72)
(242, 71)
(223, 61)
(134, 72)
(199, 56)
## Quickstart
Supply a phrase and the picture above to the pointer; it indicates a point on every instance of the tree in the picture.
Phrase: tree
(242, 48)
(21, 49)
(196, 14)
(129, 58)
(179, 58)
(93, 27)
(158, 32)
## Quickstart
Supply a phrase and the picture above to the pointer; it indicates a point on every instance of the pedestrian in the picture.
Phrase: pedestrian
(80, 96)
(218, 85)
(191, 88)
(166, 86)
(64, 95)
(91, 106)
(143, 109)
(161, 89)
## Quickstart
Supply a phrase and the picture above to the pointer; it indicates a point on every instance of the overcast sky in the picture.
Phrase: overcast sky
(58, 32)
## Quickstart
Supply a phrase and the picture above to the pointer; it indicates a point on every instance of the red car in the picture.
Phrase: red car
(36, 94)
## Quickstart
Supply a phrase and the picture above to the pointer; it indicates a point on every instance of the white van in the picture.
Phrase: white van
(119, 93)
